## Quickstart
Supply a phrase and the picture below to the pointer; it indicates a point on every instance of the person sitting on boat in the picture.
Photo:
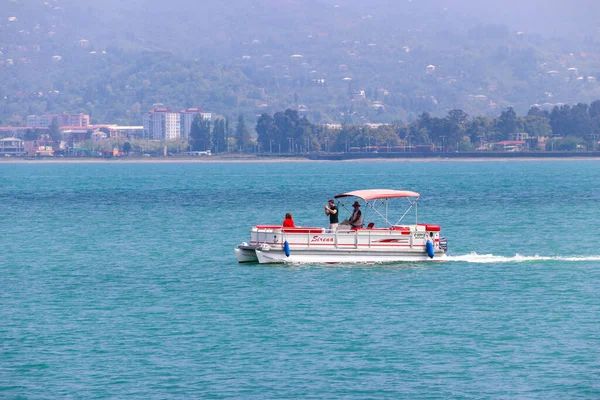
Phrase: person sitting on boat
(356, 219)
(288, 222)
(332, 211)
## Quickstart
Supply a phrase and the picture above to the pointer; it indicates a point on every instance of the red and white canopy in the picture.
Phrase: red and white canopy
(374, 194)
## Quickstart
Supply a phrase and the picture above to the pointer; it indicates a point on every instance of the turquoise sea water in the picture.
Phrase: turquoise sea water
(119, 280)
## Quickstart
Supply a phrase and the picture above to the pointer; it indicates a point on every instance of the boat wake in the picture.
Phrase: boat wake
(517, 258)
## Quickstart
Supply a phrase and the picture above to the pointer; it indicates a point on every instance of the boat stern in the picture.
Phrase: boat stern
(246, 253)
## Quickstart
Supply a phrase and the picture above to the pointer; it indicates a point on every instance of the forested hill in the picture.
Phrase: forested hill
(338, 61)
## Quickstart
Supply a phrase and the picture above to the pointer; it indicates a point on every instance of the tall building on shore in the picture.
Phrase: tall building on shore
(64, 119)
(162, 124)
(187, 117)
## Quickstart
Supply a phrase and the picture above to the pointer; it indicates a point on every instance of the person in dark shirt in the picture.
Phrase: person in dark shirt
(356, 219)
(288, 222)
(332, 211)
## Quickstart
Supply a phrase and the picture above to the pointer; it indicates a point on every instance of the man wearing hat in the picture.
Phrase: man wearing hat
(356, 219)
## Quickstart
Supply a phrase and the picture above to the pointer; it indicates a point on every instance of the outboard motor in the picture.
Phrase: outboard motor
(444, 244)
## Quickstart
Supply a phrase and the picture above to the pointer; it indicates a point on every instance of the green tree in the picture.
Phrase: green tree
(387, 137)
(31, 135)
(242, 135)
(126, 148)
(457, 117)
(227, 133)
(263, 130)
(348, 137)
(55, 133)
(560, 120)
(537, 112)
(219, 135)
(456, 129)
(508, 123)
(436, 129)
(581, 124)
(306, 137)
(594, 113)
(292, 132)
(200, 134)
(536, 126)
(479, 130)
(326, 136)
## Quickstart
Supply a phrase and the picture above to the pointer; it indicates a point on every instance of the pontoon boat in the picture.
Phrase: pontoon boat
(395, 241)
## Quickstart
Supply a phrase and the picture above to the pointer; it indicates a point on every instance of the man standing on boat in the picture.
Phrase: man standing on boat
(332, 211)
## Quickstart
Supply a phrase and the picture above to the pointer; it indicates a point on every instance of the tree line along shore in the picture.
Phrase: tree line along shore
(563, 130)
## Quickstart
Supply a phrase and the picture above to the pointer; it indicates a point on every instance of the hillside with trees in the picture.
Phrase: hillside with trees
(347, 62)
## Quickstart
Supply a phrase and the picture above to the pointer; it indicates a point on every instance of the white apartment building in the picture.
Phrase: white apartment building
(162, 124)
(45, 120)
(187, 117)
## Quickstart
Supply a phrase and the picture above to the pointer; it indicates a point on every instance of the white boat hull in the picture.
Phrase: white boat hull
(276, 245)
(335, 257)
(246, 253)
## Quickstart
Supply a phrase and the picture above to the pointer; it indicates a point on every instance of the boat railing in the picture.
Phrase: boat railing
(340, 239)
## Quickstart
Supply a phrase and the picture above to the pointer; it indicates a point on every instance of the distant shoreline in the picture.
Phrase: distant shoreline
(254, 159)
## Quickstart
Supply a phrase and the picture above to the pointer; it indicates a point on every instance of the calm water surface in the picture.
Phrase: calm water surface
(119, 280)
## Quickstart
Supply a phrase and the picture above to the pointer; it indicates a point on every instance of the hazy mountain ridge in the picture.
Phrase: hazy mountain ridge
(116, 59)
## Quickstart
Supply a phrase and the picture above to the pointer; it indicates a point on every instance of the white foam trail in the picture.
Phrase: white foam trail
(517, 258)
